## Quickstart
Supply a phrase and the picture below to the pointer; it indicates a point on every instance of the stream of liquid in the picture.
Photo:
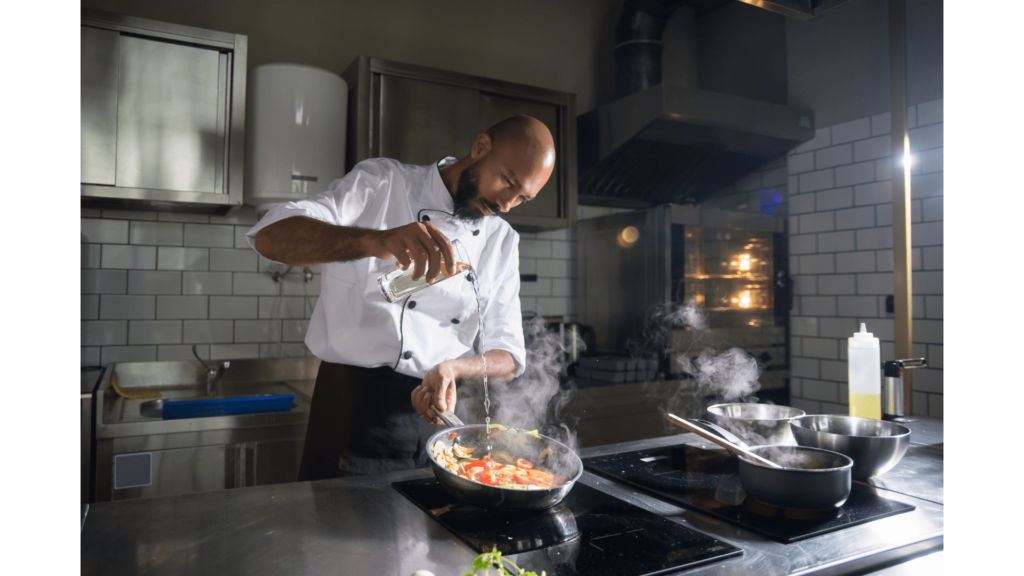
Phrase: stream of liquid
(483, 349)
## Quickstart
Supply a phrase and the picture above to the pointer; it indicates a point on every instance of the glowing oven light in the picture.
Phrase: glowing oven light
(740, 262)
(742, 299)
(745, 262)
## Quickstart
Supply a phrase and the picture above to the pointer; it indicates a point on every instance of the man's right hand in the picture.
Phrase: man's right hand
(420, 244)
(437, 388)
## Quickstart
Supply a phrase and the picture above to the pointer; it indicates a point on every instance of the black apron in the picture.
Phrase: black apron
(361, 421)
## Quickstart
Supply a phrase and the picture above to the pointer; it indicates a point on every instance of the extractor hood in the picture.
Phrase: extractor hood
(797, 9)
(672, 142)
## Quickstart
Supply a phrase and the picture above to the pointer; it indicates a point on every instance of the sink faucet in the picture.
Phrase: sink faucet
(211, 372)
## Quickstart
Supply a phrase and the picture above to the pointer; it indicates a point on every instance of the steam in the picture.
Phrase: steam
(794, 457)
(535, 399)
(730, 376)
(692, 316)
(657, 333)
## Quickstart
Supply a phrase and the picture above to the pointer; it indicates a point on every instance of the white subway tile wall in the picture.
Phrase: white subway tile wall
(841, 239)
(154, 284)
(551, 256)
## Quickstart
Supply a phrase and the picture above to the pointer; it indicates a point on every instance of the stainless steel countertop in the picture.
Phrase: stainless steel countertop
(363, 526)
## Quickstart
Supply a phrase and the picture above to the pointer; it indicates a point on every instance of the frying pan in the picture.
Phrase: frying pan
(562, 461)
(821, 480)
(809, 479)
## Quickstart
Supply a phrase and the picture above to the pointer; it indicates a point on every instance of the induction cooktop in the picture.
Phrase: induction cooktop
(708, 481)
(588, 533)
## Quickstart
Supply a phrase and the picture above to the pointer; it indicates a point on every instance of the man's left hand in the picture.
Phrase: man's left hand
(438, 386)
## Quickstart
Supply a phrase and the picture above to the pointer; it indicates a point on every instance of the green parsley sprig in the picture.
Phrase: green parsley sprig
(494, 559)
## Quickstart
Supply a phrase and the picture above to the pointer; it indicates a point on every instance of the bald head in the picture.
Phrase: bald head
(521, 125)
(526, 134)
(507, 166)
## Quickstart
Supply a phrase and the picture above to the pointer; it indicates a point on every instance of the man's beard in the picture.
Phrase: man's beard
(466, 191)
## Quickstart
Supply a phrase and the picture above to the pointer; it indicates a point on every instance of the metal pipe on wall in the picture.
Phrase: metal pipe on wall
(902, 275)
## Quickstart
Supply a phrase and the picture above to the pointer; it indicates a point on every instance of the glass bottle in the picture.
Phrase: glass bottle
(398, 283)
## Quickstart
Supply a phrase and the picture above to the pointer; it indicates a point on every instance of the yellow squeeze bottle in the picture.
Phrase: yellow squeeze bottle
(865, 374)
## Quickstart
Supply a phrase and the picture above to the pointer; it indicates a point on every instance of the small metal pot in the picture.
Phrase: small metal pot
(874, 445)
(756, 424)
(813, 479)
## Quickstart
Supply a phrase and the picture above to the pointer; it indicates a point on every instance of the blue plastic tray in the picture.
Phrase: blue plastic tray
(227, 406)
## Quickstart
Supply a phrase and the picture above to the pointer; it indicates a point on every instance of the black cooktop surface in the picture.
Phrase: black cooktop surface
(589, 532)
(708, 481)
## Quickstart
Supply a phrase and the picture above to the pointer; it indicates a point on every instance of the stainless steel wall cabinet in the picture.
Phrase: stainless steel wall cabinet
(163, 115)
(418, 115)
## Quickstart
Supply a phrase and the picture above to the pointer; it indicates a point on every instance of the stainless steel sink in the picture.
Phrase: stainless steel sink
(202, 453)
(187, 380)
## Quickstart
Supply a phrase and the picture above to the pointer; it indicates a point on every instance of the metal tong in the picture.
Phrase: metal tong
(448, 417)
(739, 451)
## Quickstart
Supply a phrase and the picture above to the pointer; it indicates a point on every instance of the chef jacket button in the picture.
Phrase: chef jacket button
(412, 304)
(476, 232)
(469, 277)
(407, 355)
(455, 320)
(425, 218)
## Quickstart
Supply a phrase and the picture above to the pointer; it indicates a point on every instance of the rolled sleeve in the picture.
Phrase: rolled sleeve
(347, 201)
(503, 319)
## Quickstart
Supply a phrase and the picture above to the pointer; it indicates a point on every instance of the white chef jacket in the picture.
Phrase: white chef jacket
(353, 324)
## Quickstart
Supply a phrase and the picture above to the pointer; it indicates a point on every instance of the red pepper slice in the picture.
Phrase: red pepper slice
(453, 435)
(486, 463)
(488, 479)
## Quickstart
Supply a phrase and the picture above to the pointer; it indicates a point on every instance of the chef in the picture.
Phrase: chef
(377, 355)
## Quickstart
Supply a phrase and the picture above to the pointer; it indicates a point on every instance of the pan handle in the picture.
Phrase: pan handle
(448, 417)
(721, 432)
(700, 431)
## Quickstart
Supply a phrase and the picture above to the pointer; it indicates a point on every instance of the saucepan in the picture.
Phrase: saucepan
(797, 477)
(557, 456)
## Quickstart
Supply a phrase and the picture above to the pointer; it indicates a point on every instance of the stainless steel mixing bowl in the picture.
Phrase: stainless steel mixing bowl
(874, 445)
(756, 424)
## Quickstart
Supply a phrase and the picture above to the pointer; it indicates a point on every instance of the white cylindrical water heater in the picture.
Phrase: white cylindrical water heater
(294, 133)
